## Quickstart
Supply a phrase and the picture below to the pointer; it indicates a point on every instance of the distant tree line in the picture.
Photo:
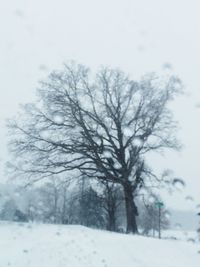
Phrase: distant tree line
(94, 205)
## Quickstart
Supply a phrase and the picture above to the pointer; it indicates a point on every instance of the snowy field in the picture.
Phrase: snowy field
(182, 235)
(35, 245)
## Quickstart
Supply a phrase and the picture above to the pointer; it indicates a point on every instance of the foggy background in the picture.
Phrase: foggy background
(137, 36)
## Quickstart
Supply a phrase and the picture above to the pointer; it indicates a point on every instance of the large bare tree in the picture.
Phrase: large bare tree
(100, 126)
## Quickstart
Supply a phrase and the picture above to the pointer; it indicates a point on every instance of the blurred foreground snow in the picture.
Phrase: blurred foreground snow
(35, 245)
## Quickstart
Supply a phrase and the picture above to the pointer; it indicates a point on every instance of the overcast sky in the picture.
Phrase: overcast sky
(139, 36)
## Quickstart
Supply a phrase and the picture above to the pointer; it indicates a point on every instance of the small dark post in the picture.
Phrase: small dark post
(159, 205)
(159, 216)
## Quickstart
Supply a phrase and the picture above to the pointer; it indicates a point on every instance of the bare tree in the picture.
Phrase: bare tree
(98, 126)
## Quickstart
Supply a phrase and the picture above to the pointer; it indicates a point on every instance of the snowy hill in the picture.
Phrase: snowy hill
(35, 245)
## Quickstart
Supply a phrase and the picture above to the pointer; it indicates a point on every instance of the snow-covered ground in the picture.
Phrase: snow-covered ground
(39, 245)
(189, 236)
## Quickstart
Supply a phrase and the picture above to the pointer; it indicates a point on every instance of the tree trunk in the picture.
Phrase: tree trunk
(131, 210)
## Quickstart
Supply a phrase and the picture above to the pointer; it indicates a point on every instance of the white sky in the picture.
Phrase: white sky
(138, 36)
